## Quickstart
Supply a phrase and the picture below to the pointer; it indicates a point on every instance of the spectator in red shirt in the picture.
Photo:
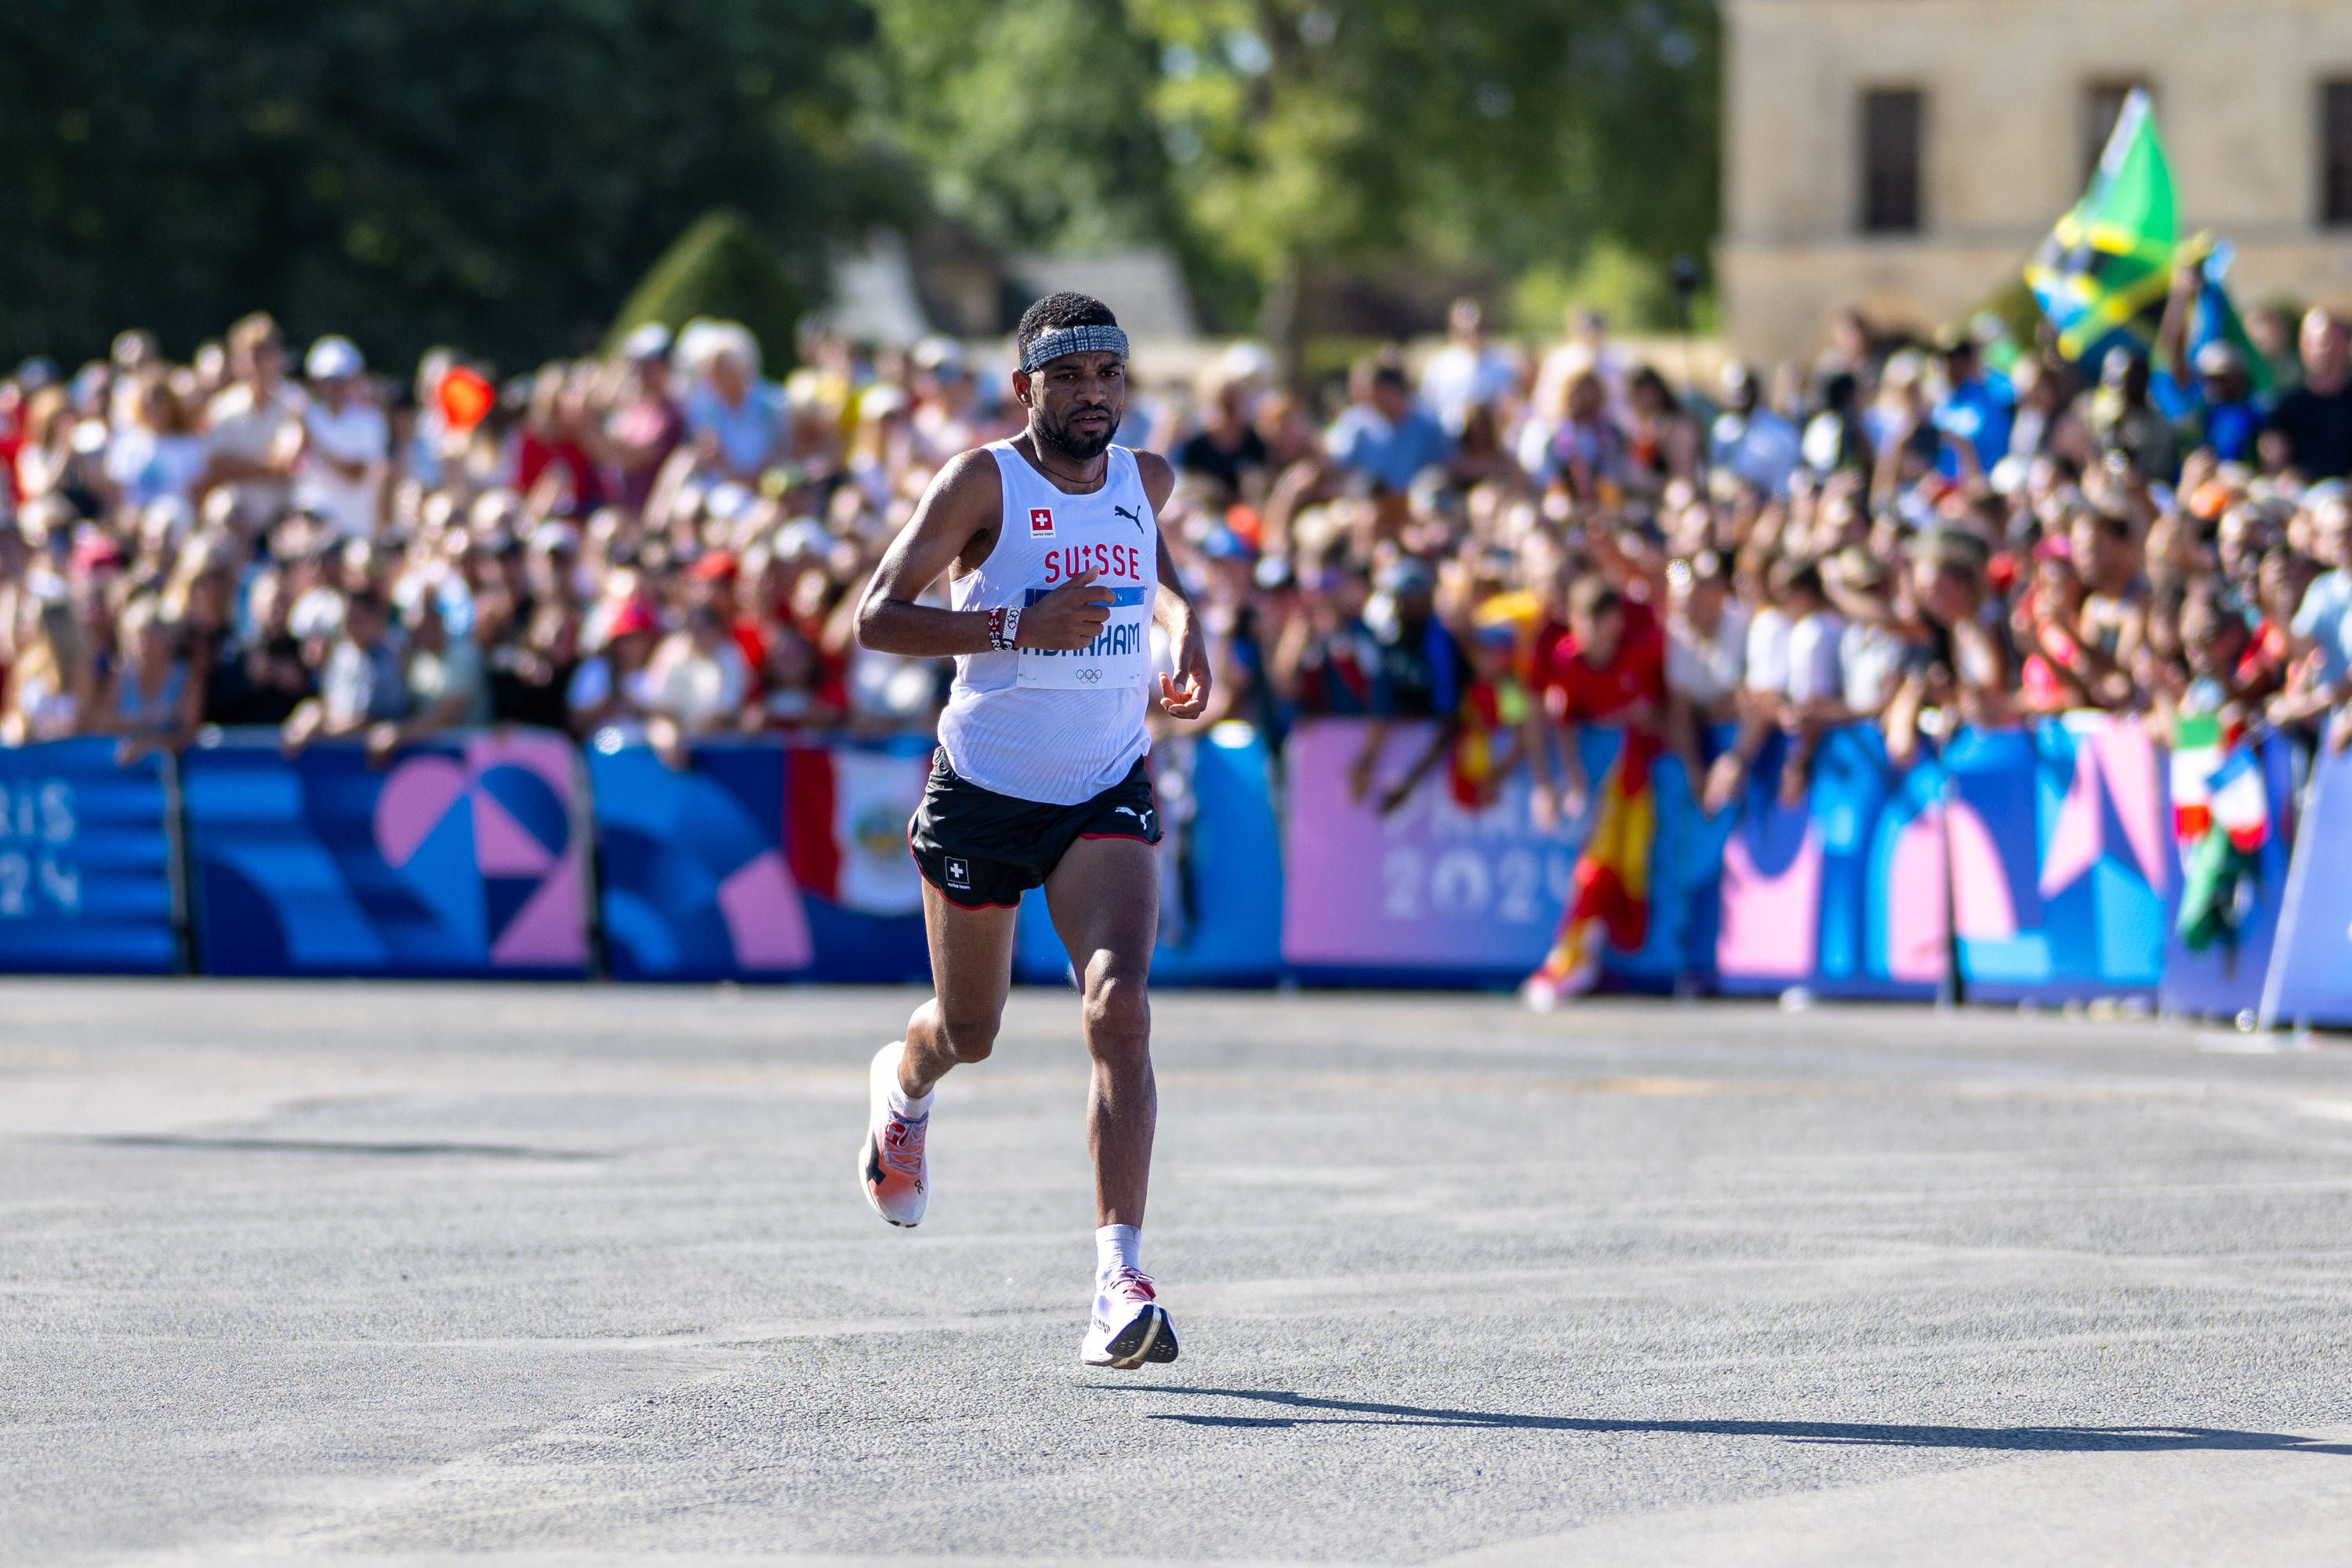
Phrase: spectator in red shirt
(554, 446)
(1608, 667)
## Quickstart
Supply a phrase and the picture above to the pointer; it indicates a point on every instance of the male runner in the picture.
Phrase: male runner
(1039, 779)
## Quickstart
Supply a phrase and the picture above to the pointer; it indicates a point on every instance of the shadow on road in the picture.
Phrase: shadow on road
(1315, 1412)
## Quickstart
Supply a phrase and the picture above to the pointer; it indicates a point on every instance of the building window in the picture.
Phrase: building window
(1890, 160)
(2103, 105)
(2336, 153)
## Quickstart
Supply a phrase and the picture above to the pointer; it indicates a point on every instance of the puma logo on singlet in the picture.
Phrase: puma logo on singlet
(1134, 516)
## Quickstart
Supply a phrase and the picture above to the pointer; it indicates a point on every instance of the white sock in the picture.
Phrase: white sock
(906, 1107)
(1117, 1247)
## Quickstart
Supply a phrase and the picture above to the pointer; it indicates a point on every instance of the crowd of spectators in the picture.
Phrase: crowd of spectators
(661, 539)
(1507, 539)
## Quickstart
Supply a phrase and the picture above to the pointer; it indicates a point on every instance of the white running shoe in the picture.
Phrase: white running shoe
(1130, 1327)
(890, 1165)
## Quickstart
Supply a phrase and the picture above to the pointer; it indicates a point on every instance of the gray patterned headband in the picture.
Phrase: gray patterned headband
(1063, 341)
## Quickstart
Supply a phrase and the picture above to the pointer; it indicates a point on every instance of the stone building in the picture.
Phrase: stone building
(1907, 155)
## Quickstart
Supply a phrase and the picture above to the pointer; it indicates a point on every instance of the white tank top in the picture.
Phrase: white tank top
(1058, 727)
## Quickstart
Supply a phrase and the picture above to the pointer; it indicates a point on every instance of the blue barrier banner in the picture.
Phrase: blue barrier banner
(2050, 848)
(2311, 970)
(2061, 859)
(85, 861)
(692, 881)
(1220, 869)
(2226, 978)
(457, 858)
(1844, 893)
(1685, 876)
(760, 859)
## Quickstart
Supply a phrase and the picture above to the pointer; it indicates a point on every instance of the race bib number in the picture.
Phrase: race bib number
(1117, 657)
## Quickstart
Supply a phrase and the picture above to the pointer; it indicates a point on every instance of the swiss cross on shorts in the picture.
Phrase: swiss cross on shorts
(1041, 523)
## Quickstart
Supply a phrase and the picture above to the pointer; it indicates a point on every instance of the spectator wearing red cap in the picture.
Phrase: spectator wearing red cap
(610, 685)
(715, 578)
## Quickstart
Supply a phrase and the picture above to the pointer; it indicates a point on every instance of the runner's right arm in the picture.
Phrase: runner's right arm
(955, 523)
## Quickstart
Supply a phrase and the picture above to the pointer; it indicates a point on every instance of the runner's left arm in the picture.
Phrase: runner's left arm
(1185, 696)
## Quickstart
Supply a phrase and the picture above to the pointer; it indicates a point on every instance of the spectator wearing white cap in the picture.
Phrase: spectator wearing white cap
(346, 444)
(735, 420)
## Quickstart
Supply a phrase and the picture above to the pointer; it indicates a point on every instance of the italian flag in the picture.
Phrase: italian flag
(2196, 757)
(2241, 805)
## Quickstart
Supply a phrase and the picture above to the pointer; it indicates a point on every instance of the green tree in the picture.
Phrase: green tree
(1498, 132)
(493, 173)
(1268, 139)
(720, 268)
(1033, 119)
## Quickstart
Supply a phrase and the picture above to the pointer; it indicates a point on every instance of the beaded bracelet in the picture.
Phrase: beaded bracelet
(1004, 627)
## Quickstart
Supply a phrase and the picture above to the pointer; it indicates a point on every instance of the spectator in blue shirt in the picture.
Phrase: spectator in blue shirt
(1977, 407)
(2207, 389)
(1756, 444)
(1384, 433)
(2221, 403)
(733, 416)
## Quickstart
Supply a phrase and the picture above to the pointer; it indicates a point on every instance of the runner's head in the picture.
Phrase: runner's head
(1073, 374)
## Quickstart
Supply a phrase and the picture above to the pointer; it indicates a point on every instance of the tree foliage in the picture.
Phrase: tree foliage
(720, 268)
(491, 172)
(499, 173)
(1033, 119)
(1282, 134)
(1492, 131)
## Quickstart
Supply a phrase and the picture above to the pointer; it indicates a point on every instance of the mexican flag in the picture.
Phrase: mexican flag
(2241, 805)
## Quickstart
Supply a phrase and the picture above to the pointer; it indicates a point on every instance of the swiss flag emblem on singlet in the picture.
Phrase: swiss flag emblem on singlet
(1041, 523)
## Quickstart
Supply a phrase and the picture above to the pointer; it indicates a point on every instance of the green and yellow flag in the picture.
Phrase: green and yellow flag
(2104, 274)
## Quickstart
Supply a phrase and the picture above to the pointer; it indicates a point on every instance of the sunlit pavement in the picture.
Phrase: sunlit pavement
(564, 1274)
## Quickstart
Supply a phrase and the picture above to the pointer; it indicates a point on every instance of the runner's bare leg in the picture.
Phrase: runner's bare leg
(1104, 900)
(971, 974)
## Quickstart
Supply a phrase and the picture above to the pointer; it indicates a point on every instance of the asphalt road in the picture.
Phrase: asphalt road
(570, 1274)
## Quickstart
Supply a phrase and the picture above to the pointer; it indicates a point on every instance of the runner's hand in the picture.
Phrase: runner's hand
(1187, 695)
(1069, 618)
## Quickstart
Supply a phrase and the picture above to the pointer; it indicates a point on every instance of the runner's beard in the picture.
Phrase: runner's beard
(1068, 443)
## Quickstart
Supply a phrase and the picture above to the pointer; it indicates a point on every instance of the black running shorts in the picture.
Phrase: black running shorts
(983, 850)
